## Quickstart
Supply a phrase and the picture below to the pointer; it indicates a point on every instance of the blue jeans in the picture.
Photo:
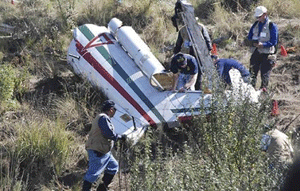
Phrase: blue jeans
(182, 80)
(97, 164)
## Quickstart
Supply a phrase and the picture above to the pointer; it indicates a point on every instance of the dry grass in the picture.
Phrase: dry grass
(283, 9)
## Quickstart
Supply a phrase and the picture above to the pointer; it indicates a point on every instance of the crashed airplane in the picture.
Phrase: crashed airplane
(116, 60)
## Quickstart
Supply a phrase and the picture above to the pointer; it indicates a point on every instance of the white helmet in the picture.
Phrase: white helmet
(259, 11)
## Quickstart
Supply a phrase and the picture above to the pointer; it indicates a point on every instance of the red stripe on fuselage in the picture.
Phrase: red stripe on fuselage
(93, 62)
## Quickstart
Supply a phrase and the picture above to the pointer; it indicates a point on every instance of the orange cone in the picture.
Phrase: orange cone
(275, 110)
(283, 51)
(214, 49)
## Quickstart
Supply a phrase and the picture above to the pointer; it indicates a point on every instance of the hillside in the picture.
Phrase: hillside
(46, 110)
(285, 76)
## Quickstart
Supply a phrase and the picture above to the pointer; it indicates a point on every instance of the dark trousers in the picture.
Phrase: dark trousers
(260, 62)
(199, 77)
(199, 81)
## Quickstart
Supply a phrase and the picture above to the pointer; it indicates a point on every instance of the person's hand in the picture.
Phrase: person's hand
(182, 89)
(258, 45)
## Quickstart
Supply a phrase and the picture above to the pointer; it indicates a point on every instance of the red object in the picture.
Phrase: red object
(264, 89)
(12, 2)
(185, 119)
(275, 110)
(283, 51)
(214, 49)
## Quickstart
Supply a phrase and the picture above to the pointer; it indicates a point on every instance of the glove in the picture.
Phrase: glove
(123, 137)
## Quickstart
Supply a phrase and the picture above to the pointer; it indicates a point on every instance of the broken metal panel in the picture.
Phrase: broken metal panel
(6, 28)
(199, 45)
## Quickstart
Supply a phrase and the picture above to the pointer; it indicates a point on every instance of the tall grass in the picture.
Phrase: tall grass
(284, 9)
(34, 150)
(227, 23)
(45, 142)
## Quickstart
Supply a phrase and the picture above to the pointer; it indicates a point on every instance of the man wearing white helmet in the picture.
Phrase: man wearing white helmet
(264, 37)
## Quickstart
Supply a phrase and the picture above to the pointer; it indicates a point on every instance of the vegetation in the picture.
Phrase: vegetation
(45, 111)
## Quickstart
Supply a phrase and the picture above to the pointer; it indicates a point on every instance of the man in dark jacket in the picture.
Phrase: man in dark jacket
(224, 65)
(99, 144)
(185, 69)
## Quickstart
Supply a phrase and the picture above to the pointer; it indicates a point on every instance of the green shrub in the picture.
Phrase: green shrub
(7, 82)
(12, 84)
(221, 153)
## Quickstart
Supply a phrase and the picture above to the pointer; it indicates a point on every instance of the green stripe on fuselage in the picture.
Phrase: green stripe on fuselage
(89, 35)
(186, 110)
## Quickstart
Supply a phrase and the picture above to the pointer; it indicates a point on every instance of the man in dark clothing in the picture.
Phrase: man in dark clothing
(184, 44)
(224, 65)
(185, 69)
(264, 37)
(99, 144)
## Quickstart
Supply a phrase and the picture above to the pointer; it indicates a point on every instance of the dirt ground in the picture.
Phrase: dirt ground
(285, 81)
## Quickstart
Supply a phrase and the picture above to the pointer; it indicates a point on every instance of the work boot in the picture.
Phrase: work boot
(102, 187)
(86, 186)
(107, 178)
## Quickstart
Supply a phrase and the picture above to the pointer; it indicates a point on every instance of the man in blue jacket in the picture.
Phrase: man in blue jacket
(224, 65)
(264, 37)
(185, 69)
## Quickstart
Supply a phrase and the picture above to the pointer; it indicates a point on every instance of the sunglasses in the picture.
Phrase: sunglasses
(260, 16)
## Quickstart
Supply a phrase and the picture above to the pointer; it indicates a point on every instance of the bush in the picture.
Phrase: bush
(7, 82)
(221, 153)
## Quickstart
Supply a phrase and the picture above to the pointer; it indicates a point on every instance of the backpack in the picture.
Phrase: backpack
(270, 26)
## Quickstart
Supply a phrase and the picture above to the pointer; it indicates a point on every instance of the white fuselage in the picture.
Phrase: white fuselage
(125, 79)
